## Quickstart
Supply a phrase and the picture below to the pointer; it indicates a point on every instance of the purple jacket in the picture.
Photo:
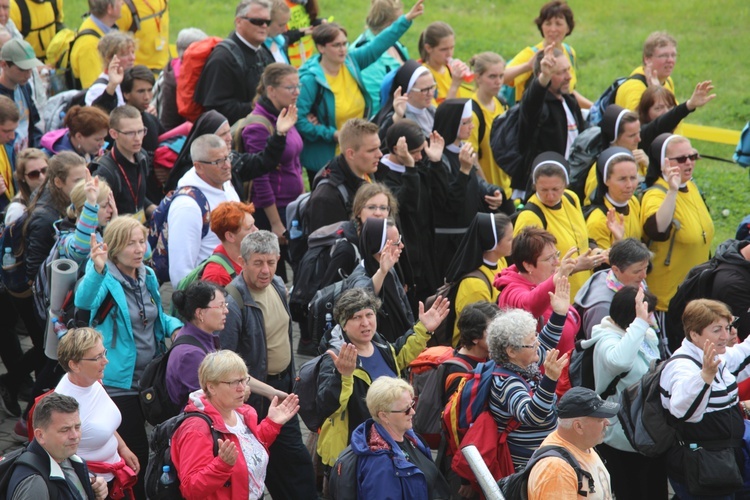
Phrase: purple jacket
(284, 184)
(182, 367)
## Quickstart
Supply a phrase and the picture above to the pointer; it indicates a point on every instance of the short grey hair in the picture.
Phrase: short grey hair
(53, 403)
(99, 8)
(245, 5)
(261, 242)
(351, 302)
(627, 252)
(202, 145)
(187, 36)
(509, 329)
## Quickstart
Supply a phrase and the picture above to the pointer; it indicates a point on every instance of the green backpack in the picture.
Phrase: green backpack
(197, 273)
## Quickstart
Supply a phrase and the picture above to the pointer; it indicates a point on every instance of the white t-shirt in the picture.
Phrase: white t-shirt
(572, 128)
(256, 457)
(100, 418)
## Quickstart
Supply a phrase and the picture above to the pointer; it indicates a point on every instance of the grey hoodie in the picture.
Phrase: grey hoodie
(593, 300)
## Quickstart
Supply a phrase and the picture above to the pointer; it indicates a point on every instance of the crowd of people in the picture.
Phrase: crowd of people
(154, 175)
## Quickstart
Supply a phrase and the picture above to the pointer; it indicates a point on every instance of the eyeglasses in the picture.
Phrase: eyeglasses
(98, 358)
(735, 322)
(555, 256)
(535, 345)
(684, 158)
(35, 174)
(375, 208)
(221, 161)
(398, 242)
(294, 89)
(223, 305)
(426, 90)
(337, 45)
(407, 410)
(257, 21)
(133, 133)
(234, 384)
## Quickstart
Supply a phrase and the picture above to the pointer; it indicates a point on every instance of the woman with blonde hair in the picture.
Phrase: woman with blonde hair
(117, 50)
(31, 170)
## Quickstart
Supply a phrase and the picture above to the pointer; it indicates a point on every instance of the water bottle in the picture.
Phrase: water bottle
(167, 477)
(329, 321)
(9, 260)
(295, 232)
(59, 327)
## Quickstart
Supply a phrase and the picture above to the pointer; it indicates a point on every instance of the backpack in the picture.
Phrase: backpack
(238, 127)
(698, 284)
(21, 456)
(537, 210)
(742, 153)
(504, 144)
(58, 56)
(581, 368)
(516, 485)
(443, 334)
(23, 7)
(482, 127)
(14, 277)
(41, 288)
(425, 374)
(583, 153)
(197, 273)
(160, 454)
(645, 422)
(306, 388)
(342, 482)
(508, 92)
(152, 387)
(158, 230)
(596, 113)
(297, 211)
(321, 306)
(321, 245)
(193, 61)
(168, 151)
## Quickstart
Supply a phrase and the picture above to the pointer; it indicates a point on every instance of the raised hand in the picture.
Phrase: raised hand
(401, 150)
(672, 174)
(287, 119)
(98, 254)
(346, 360)
(91, 188)
(616, 224)
(432, 318)
(399, 104)
(548, 64)
(701, 95)
(389, 256)
(710, 362)
(467, 157)
(650, 74)
(112, 204)
(282, 412)
(554, 364)
(434, 150)
(567, 263)
(115, 72)
(416, 11)
(228, 451)
(641, 158)
(560, 300)
(641, 306)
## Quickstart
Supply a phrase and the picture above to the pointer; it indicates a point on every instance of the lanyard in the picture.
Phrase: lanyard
(127, 181)
(156, 16)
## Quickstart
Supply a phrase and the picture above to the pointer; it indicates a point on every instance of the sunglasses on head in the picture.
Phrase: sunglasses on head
(35, 174)
(257, 21)
(684, 158)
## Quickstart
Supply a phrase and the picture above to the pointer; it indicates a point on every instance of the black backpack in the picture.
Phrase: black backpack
(153, 395)
(504, 141)
(321, 305)
(583, 153)
(306, 388)
(482, 125)
(443, 334)
(516, 485)
(160, 454)
(581, 369)
(342, 483)
(596, 113)
(698, 284)
(21, 456)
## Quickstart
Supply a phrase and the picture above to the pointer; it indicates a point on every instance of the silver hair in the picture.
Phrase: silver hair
(187, 36)
(261, 242)
(509, 329)
(200, 147)
(245, 5)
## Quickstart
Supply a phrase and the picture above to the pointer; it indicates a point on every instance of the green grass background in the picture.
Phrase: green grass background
(608, 38)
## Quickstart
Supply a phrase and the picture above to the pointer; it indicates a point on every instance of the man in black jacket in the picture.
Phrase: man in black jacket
(225, 85)
(550, 116)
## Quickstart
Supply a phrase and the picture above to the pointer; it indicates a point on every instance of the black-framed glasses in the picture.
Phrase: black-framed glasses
(407, 410)
(735, 322)
(684, 158)
(98, 358)
(221, 161)
(257, 21)
(426, 91)
(234, 384)
(35, 174)
(133, 133)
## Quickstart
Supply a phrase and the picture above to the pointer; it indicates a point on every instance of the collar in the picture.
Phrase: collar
(454, 148)
(255, 49)
(416, 111)
(100, 24)
(616, 204)
(395, 167)
(489, 263)
(279, 40)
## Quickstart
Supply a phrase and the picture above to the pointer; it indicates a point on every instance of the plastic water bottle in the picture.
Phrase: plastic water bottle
(167, 477)
(59, 327)
(295, 232)
(329, 321)
(9, 260)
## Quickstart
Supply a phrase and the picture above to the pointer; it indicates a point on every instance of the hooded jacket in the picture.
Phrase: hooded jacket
(205, 476)
(594, 298)
(326, 204)
(732, 281)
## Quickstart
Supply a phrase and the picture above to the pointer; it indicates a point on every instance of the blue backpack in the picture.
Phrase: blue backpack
(608, 97)
(158, 230)
(742, 153)
(14, 277)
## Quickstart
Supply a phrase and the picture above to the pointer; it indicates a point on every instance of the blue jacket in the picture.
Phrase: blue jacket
(382, 469)
(116, 328)
(317, 98)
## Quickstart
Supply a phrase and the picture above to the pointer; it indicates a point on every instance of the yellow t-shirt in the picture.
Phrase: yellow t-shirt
(7, 172)
(85, 60)
(152, 39)
(492, 172)
(600, 233)
(348, 98)
(692, 242)
(592, 182)
(443, 81)
(276, 322)
(552, 477)
(42, 15)
(476, 290)
(568, 227)
(527, 55)
(630, 92)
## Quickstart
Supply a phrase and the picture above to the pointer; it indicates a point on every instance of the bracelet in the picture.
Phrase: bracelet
(745, 409)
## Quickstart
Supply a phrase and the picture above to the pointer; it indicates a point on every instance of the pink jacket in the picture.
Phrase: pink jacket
(202, 475)
(516, 291)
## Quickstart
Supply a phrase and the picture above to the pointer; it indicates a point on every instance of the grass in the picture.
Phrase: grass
(608, 39)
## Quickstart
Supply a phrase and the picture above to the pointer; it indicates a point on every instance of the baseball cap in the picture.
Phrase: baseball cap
(20, 53)
(583, 402)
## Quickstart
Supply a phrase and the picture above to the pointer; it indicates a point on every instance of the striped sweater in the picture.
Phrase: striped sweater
(527, 401)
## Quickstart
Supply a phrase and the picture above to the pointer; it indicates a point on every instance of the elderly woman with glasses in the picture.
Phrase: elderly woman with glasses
(239, 468)
(392, 461)
(82, 355)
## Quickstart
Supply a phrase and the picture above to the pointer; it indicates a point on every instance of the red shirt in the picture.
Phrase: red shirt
(216, 273)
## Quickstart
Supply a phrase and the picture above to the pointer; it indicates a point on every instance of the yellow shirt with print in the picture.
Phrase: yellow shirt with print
(348, 98)
(492, 173)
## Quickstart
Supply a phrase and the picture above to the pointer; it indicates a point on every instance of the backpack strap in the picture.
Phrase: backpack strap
(221, 259)
(236, 52)
(214, 433)
(560, 452)
(202, 202)
(25, 18)
(480, 117)
(38, 464)
(190, 340)
(234, 292)
(476, 273)
(536, 210)
(135, 25)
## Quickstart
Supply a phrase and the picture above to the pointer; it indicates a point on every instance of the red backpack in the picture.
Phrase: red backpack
(193, 61)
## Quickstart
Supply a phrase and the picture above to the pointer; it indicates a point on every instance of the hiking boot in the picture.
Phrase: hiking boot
(8, 400)
(307, 348)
